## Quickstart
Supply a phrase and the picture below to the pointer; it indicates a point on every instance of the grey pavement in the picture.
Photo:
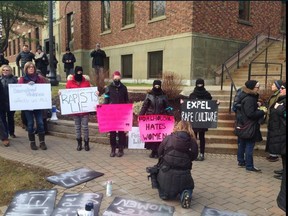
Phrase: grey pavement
(219, 183)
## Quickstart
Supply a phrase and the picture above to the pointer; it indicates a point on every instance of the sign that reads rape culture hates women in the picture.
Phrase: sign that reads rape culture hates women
(78, 100)
(201, 113)
(114, 117)
(154, 128)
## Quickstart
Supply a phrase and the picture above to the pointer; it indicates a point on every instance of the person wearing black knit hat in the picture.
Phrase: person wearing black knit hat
(155, 103)
(68, 59)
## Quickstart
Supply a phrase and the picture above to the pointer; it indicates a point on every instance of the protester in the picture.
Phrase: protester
(155, 103)
(3, 133)
(249, 112)
(78, 80)
(30, 78)
(41, 61)
(116, 93)
(98, 56)
(68, 59)
(7, 116)
(54, 62)
(25, 56)
(200, 93)
(177, 151)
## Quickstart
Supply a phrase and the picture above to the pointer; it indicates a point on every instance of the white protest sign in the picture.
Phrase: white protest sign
(30, 97)
(78, 100)
(134, 140)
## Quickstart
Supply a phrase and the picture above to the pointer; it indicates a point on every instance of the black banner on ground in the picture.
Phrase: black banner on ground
(75, 177)
(124, 207)
(32, 202)
(215, 212)
(201, 113)
(70, 203)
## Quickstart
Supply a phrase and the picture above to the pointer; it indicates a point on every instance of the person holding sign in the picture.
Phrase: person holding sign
(177, 151)
(156, 102)
(31, 77)
(116, 93)
(81, 119)
(200, 93)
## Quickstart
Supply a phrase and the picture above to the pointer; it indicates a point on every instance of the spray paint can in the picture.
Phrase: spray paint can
(109, 188)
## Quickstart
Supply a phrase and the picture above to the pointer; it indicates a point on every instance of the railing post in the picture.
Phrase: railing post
(281, 71)
(238, 61)
(222, 74)
(256, 44)
(266, 53)
(283, 42)
(268, 34)
(249, 72)
(230, 104)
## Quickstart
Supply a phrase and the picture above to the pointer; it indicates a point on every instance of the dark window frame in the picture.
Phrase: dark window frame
(127, 65)
(70, 27)
(14, 46)
(30, 40)
(105, 16)
(128, 13)
(18, 45)
(9, 48)
(37, 36)
(155, 11)
(244, 11)
(155, 64)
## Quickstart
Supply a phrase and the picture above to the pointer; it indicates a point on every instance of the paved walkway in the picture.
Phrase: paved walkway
(219, 183)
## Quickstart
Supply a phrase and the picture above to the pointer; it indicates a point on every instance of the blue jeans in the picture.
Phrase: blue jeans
(30, 121)
(245, 152)
(8, 121)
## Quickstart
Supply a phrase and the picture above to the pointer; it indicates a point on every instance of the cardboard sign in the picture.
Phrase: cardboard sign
(32, 202)
(30, 97)
(201, 113)
(114, 117)
(215, 212)
(78, 100)
(70, 203)
(154, 128)
(134, 140)
(75, 177)
(122, 206)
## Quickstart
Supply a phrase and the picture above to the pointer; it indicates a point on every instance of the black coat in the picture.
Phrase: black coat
(68, 56)
(116, 94)
(41, 63)
(177, 151)
(98, 58)
(24, 57)
(5, 80)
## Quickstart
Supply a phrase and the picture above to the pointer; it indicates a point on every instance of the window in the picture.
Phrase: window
(14, 47)
(105, 16)
(128, 12)
(126, 66)
(244, 10)
(155, 64)
(70, 27)
(9, 48)
(37, 37)
(18, 45)
(157, 8)
(29, 40)
(283, 16)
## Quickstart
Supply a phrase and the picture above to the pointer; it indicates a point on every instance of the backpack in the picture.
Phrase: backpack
(237, 100)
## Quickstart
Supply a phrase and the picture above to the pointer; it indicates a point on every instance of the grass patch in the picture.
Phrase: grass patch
(17, 176)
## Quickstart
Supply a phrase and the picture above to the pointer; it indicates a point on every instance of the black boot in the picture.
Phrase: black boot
(42, 141)
(112, 154)
(86, 145)
(79, 146)
(120, 151)
(32, 141)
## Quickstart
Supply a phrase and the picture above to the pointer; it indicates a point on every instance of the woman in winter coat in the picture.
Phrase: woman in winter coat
(276, 139)
(155, 103)
(3, 134)
(7, 116)
(41, 61)
(31, 77)
(78, 80)
(176, 152)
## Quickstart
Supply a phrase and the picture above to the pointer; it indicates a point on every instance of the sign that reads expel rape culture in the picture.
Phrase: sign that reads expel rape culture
(114, 117)
(29, 97)
(78, 100)
(154, 128)
(201, 113)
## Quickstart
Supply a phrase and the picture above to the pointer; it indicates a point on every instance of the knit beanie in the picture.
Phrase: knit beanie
(78, 68)
(200, 83)
(157, 82)
(250, 84)
(278, 83)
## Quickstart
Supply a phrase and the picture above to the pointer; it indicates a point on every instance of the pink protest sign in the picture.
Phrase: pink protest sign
(114, 117)
(154, 128)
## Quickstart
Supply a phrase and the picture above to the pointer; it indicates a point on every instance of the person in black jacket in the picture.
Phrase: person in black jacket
(24, 56)
(3, 134)
(155, 103)
(116, 93)
(41, 61)
(3, 61)
(177, 151)
(98, 55)
(7, 116)
(68, 59)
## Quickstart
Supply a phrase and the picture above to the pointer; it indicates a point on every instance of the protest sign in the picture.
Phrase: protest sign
(215, 212)
(134, 140)
(114, 117)
(78, 100)
(30, 97)
(201, 113)
(154, 128)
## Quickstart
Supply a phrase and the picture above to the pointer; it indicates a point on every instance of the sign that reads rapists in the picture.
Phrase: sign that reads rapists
(202, 113)
(154, 128)
(29, 97)
(78, 100)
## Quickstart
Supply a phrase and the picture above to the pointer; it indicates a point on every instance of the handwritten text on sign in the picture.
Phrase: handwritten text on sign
(30, 97)
(154, 128)
(202, 113)
(134, 140)
(114, 117)
(78, 100)
(34, 202)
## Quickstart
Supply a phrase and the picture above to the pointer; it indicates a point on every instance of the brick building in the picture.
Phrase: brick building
(143, 39)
